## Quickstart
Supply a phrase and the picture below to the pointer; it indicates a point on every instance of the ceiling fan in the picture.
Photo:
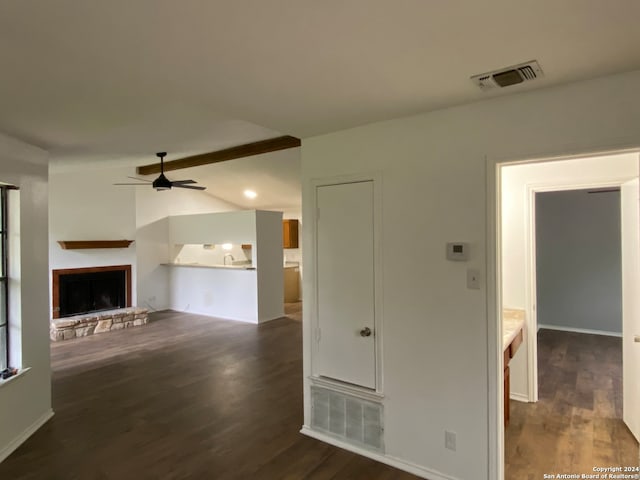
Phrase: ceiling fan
(162, 182)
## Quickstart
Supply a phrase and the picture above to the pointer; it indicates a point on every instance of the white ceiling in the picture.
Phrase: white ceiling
(275, 177)
(96, 80)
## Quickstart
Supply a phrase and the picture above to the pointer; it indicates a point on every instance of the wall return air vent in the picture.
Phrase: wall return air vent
(505, 77)
(348, 418)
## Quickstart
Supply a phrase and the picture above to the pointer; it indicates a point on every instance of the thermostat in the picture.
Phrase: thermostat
(457, 251)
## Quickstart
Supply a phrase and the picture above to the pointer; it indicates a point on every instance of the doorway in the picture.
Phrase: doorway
(519, 185)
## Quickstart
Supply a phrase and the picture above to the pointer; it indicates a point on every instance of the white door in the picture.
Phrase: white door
(630, 221)
(345, 282)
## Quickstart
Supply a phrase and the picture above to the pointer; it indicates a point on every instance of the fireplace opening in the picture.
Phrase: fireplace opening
(86, 290)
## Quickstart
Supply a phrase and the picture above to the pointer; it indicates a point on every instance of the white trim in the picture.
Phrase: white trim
(530, 268)
(495, 368)
(314, 183)
(571, 152)
(20, 439)
(382, 458)
(217, 317)
(519, 397)
(346, 388)
(580, 330)
(269, 319)
(562, 187)
(531, 294)
(21, 372)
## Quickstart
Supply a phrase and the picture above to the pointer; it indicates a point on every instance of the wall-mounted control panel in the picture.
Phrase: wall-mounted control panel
(458, 251)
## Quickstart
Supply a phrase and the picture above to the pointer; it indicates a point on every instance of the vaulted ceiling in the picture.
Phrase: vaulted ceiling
(104, 79)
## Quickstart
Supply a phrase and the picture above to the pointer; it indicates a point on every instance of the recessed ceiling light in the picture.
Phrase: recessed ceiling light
(250, 194)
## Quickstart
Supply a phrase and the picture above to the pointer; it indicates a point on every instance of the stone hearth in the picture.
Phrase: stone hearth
(97, 322)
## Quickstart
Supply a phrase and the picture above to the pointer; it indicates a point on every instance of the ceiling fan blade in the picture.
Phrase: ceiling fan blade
(140, 179)
(162, 182)
(193, 187)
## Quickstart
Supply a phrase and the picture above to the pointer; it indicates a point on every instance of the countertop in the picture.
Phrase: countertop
(512, 323)
(226, 267)
(199, 265)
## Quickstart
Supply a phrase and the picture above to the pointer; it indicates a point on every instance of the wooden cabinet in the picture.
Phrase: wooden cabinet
(509, 353)
(507, 397)
(290, 233)
(291, 284)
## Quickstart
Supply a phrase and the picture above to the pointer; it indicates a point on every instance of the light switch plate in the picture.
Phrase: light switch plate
(473, 278)
(450, 440)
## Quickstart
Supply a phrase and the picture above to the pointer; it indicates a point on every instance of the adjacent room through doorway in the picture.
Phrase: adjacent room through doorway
(561, 258)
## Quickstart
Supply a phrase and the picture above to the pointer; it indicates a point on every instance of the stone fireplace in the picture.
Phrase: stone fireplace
(92, 300)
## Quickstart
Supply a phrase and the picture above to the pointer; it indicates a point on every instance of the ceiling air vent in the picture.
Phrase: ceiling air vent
(508, 76)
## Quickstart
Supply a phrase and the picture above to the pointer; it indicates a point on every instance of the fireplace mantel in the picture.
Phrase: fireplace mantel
(85, 244)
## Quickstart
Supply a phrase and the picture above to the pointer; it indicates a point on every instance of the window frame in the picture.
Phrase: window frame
(4, 277)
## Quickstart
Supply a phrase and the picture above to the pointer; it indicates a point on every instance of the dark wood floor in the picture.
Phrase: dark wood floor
(576, 424)
(186, 397)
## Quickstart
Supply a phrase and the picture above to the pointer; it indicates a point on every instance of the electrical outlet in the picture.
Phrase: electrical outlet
(450, 440)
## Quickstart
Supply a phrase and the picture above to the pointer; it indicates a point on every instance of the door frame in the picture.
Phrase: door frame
(493, 233)
(531, 296)
(376, 179)
(630, 412)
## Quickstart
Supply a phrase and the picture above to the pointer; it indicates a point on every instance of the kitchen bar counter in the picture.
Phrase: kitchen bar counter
(200, 265)
(229, 292)
(512, 325)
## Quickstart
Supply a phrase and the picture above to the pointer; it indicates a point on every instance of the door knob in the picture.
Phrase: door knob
(365, 332)
(635, 339)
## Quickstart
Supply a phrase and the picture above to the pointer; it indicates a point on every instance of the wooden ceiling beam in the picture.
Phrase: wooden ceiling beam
(246, 150)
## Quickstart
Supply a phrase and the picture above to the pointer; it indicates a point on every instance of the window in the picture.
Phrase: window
(4, 282)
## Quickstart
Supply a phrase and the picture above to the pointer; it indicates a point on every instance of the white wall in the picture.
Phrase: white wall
(212, 255)
(230, 227)
(434, 190)
(25, 402)
(578, 260)
(221, 293)
(268, 260)
(152, 211)
(234, 294)
(85, 205)
(516, 181)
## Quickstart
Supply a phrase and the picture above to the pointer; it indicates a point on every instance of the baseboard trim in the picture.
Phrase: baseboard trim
(218, 317)
(382, 458)
(519, 397)
(20, 439)
(580, 330)
(270, 319)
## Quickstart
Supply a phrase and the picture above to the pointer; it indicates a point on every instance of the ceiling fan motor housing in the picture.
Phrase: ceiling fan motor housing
(162, 183)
